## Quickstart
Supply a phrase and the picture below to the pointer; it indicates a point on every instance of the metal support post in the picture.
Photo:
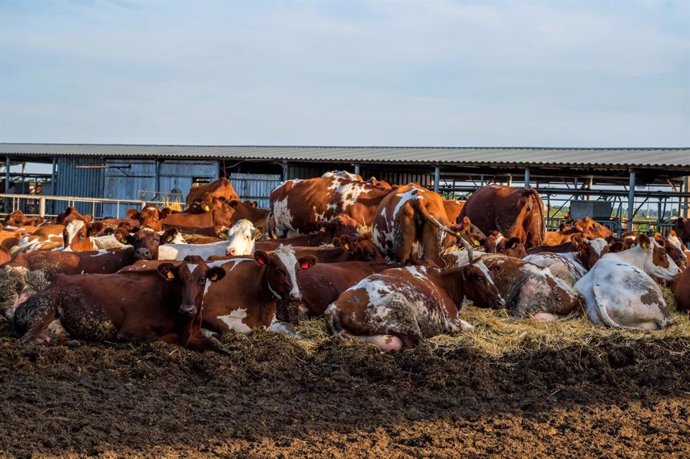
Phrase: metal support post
(527, 177)
(631, 199)
(437, 178)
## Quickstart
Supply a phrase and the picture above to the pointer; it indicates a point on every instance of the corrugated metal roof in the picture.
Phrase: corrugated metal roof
(636, 157)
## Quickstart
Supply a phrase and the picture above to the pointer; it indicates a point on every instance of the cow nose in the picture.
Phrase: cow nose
(142, 254)
(188, 309)
(296, 296)
(231, 251)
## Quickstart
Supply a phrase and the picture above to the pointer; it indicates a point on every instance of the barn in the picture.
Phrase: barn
(104, 179)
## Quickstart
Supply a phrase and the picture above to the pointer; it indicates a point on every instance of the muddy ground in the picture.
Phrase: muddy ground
(270, 396)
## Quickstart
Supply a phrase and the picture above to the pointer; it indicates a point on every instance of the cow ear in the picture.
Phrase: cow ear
(261, 257)
(645, 243)
(233, 203)
(466, 221)
(168, 271)
(345, 242)
(307, 262)
(168, 235)
(215, 274)
(258, 231)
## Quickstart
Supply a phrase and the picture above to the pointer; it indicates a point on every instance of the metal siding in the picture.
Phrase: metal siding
(139, 181)
(255, 187)
(78, 182)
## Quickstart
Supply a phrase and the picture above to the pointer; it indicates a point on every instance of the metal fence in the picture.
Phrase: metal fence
(50, 206)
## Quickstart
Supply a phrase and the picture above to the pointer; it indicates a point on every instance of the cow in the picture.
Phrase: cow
(681, 291)
(453, 209)
(303, 206)
(321, 285)
(18, 218)
(206, 193)
(516, 212)
(571, 266)
(398, 307)
(240, 241)
(468, 231)
(46, 237)
(620, 290)
(411, 223)
(343, 174)
(495, 242)
(682, 229)
(263, 281)
(164, 304)
(529, 291)
(592, 229)
(28, 273)
(674, 248)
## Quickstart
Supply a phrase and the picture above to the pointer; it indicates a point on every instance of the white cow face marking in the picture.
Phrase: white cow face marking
(241, 238)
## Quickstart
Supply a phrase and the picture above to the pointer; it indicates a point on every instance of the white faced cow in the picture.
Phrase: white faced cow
(241, 238)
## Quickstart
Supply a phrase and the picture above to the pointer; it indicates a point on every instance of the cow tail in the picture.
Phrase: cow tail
(540, 204)
(434, 221)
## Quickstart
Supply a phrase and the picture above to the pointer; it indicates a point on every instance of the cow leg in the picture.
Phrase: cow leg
(34, 317)
(385, 343)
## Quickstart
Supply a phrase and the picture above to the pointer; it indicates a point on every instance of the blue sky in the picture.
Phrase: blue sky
(426, 72)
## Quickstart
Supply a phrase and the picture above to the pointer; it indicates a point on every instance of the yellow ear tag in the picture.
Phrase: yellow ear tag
(476, 242)
(207, 208)
(346, 247)
(170, 275)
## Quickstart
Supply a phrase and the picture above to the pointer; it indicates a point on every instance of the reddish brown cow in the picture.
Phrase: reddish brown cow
(681, 291)
(46, 237)
(398, 307)
(682, 229)
(591, 229)
(205, 194)
(220, 215)
(497, 243)
(164, 304)
(411, 223)
(321, 285)
(18, 218)
(453, 209)
(469, 231)
(516, 212)
(303, 206)
(69, 214)
(264, 281)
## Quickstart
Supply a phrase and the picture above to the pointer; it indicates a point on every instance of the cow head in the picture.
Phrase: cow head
(470, 232)
(16, 218)
(590, 251)
(360, 248)
(673, 249)
(150, 218)
(241, 238)
(67, 215)
(145, 243)
(513, 247)
(280, 271)
(478, 286)
(76, 237)
(192, 273)
(657, 263)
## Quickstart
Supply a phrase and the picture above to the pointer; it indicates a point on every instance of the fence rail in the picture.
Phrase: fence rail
(50, 206)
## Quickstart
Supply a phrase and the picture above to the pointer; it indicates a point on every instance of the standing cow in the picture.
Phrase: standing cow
(304, 206)
(516, 212)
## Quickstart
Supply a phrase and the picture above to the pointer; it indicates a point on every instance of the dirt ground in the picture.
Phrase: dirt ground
(604, 394)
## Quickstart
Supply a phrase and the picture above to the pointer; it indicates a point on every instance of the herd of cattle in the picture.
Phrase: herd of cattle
(385, 264)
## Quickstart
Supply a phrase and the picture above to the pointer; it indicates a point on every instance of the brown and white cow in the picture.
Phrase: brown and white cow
(528, 290)
(246, 298)
(620, 292)
(411, 223)
(321, 285)
(398, 307)
(164, 304)
(516, 212)
(303, 206)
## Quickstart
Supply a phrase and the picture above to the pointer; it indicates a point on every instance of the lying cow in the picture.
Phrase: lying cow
(620, 290)
(398, 307)
(240, 241)
(164, 304)
(528, 290)
(571, 266)
(246, 298)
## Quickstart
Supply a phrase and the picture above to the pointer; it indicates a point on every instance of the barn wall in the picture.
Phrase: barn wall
(255, 187)
(136, 179)
(78, 182)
